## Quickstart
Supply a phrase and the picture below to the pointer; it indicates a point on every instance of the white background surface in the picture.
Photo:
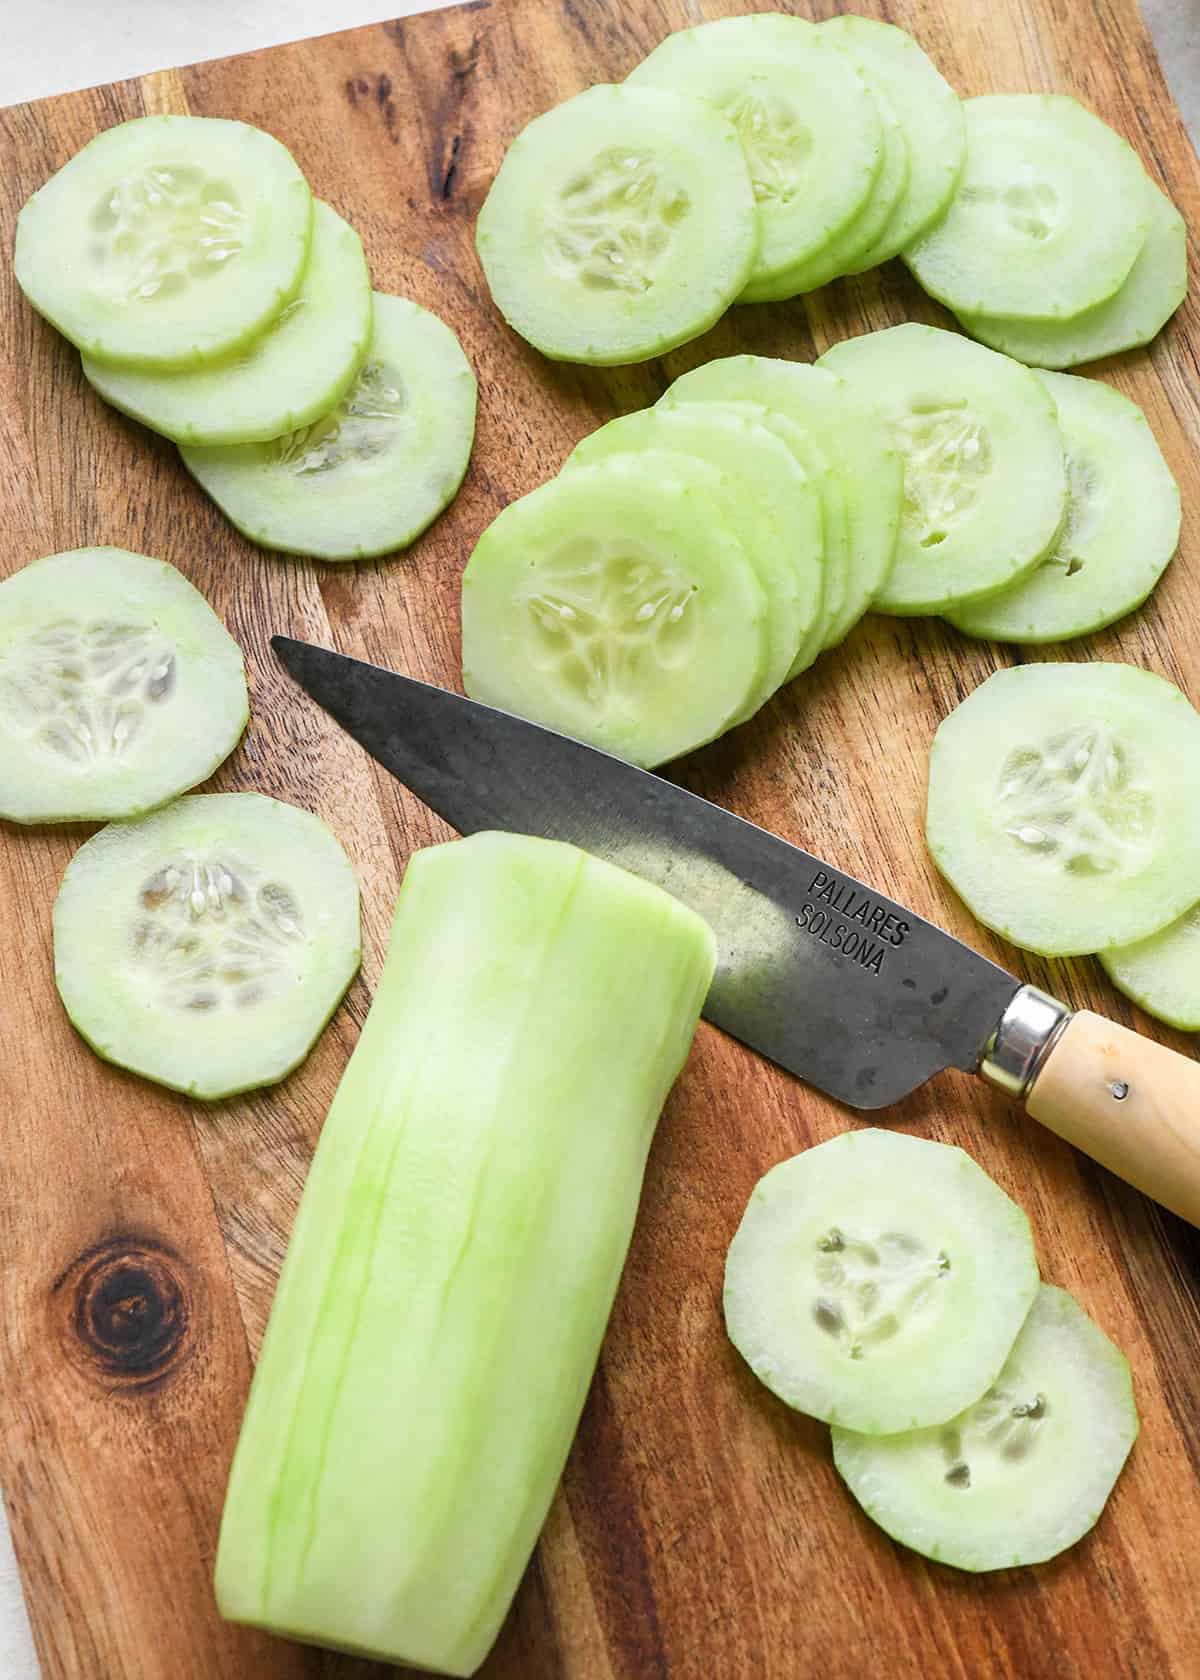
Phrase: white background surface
(58, 45)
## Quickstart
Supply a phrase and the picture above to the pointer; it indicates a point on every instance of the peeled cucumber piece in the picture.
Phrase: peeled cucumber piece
(1025, 1472)
(457, 1250)
(301, 366)
(206, 946)
(597, 234)
(878, 1281)
(166, 241)
(119, 687)
(1119, 534)
(1151, 293)
(1057, 809)
(613, 605)
(803, 113)
(1048, 217)
(1162, 973)
(368, 477)
(985, 482)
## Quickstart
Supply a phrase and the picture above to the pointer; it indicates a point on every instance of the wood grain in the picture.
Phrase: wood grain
(701, 1530)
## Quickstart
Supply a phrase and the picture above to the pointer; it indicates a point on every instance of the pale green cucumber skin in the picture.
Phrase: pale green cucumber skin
(1057, 1341)
(693, 283)
(301, 367)
(1133, 532)
(1161, 973)
(369, 511)
(115, 584)
(281, 225)
(456, 1251)
(118, 1012)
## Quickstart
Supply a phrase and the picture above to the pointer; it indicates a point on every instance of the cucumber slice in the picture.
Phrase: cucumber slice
(119, 687)
(1162, 973)
(368, 477)
(1049, 214)
(767, 503)
(206, 945)
(1120, 531)
(804, 115)
(984, 478)
(457, 1250)
(1152, 292)
(167, 241)
(1057, 810)
(930, 112)
(596, 237)
(613, 605)
(303, 364)
(859, 441)
(878, 1281)
(1022, 1474)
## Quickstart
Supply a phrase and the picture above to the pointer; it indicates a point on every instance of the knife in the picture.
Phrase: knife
(840, 985)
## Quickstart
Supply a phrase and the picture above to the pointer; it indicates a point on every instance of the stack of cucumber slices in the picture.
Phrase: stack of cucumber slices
(216, 302)
(886, 1285)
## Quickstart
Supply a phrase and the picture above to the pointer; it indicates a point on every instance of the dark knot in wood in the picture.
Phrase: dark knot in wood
(127, 1308)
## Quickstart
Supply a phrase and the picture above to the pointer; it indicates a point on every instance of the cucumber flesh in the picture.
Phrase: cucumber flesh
(984, 478)
(1155, 287)
(1022, 1474)
(878, 1281)
(596, 235)
(1047, 219)
(167, 241)
(457, 1250)
(205, 946)
(803, 113)
(119, 687)
(301, 366)
(1120, 531)
(1162, 973)
(368, 477)
(1057, 810)
(613, 605)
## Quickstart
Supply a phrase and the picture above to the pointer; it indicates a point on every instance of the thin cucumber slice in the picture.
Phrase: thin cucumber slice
(931, 114)
(302, 365)
(1022, 1474)
(767, 503)
(457, 1250)
(1120, 531)
(167, 241)
(1056, 806)
(1048, 217)
(804, 114)
(1155, 287)
(596, 237)
(985, 483)
(205, 946)
(859, 441)
(878, 1281)
(1162, 973)
(612, 604)
(368, 477)
(119, 687)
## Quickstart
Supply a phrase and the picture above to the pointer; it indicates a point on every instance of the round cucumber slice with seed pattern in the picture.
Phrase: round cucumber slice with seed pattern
(1162, 973)
(805, 117)
(878, 1281)
(597, 237)
(369, 476)
(1056, 806)
(167, 241)
(206, 945)
(301, 366)
(1048, 216)
(612, 604)
(1023, 1473)
(119, 687)
(984, 478)
(1120, 531)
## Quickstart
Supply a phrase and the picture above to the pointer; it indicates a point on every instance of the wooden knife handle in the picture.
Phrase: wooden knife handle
(1130, 1103)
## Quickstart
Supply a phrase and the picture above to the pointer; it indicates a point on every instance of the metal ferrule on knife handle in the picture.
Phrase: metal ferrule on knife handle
(1017, 1050)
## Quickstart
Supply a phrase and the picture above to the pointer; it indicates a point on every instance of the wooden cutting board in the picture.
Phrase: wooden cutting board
(701, 1532)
